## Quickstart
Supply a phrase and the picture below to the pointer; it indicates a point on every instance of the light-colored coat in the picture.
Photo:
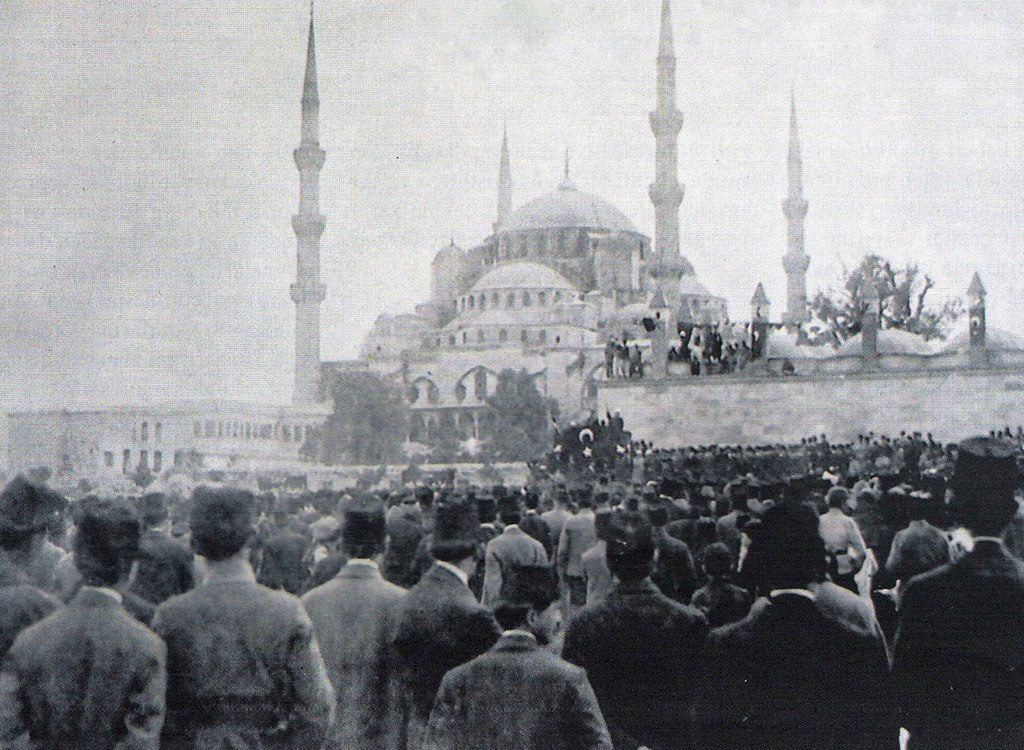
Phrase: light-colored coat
(354, 615)
(513, 547)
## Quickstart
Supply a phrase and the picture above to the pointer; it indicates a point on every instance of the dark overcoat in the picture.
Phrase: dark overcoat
(517, 696)
(641, 652)
(165, 569)
(440, 626)
(958, 660)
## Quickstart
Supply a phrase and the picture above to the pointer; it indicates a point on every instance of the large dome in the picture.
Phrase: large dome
(567, 208)
(522, 276)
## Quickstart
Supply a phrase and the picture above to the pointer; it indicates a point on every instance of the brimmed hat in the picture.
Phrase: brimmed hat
(27, 507)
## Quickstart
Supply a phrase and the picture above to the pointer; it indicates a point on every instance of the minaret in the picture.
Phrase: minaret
(666, 122)
(795, 261)
(307, 292)
(504, 183)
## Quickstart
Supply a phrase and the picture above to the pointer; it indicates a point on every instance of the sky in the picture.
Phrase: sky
(147, 181)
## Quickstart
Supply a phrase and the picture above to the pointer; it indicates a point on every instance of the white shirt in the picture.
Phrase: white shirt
(360, 561)
(806, 594)
(115, 595)
(455, 571)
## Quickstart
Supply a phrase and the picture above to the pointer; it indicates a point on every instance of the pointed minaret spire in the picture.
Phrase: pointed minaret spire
(666, 122)
(567, 183)
(795, 261)
(504, 182)
(307, 292)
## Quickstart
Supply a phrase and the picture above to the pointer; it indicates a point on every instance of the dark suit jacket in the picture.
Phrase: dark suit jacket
(440, 626)
(538, 528)
(165, 568)
(789, 677)
(959, 653)
(404, 535)
(641, 651)
(284, 562)
(674, 571)
(88, 676)
(354, 616)
(517, 696)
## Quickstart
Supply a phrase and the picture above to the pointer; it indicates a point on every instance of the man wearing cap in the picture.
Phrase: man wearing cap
(640, 649)
(24, 509)
(89, 675)
(518, 695)
(918, 548)
(533, 524)
(513, 547)
(959, 653)
(354, 615)
(166, 567)
(244, 669)
(790, 676)
(440, 623)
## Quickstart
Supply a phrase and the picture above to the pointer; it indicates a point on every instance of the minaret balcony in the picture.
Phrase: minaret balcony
(310, 157)
(794, 209)
(795, 264)
(666, 122)
(670, 195)
(308, 225)
(306, 293)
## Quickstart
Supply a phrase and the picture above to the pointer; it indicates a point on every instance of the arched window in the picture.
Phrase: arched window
(542, 298)
(472, 302)
(451, 341)
(480, 385)
(460, 392)
(502, 336)
(483, 302)
(465, 337)
(145, 431)
(433, 394)
(526, 299)
(495, 300)
(542, 337)
(558, 339)
(511, 299)
(481, 337)
(413, 394)
(524, 336)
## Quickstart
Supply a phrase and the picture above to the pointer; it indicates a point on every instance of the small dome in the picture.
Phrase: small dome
(568, 208)
(522, 276)
(996, 339)
(890, 341)
(448, 252)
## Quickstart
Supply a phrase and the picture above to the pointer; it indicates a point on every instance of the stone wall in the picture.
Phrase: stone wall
(950, 404)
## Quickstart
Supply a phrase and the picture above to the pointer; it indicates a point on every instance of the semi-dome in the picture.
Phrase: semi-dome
(568, 208)
(523, 275)
(890, 341)
(448, 252)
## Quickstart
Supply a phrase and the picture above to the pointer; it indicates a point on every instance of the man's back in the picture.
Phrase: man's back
(21, 604)
(917, 549)
(86, 676)
(241, 654)
(536, 527)
(959, 657)
(595, 570)
(165, 568)
(353, 616)
(284, 562)
(555, 519)
(640, 650)
(513, 547)
(440, 626)
(578, 535)
(404, 534)
(789, 677)
(517, 696)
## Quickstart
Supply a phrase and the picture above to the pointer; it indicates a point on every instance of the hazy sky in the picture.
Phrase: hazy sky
(147, 182)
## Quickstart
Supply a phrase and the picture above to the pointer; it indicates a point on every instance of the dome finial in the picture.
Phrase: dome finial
(566, 182)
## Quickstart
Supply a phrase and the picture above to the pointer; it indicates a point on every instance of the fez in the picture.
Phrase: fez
(984, 479)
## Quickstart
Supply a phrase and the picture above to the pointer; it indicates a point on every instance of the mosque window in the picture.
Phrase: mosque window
(558, 339)
(511, 299)
(480, 385)
(158, 461)
(126, 460)
(197, 429)
(502, 335)
(156, 431)
(108, 459)
(526, 299)
(483, 302)
(524, 336)
(495, 300)
(542, 298)
(542, 337)
(220, 429)
(472, 302)
(266, 431)
(481, 337)
(460, 392)
(179, 457)
(145, 431)
(465, 337)
(248, 431)
(144, 458)
(298, 433)
(557, 297)
(413, 394)
(210, 429)
(451, 341)
(433, 394)
(286, 433)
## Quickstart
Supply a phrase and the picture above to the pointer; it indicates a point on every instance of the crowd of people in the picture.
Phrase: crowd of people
(717, 597)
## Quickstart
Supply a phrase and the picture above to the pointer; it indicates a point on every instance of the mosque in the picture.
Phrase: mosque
(544, 291)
